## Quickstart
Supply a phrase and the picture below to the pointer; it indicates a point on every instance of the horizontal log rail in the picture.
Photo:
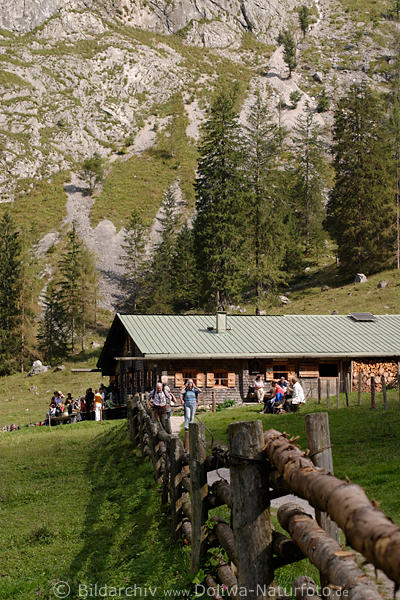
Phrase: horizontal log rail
(326, 554)
(366, 528)
(253, 548)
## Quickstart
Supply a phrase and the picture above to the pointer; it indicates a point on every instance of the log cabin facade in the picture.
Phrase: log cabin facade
(224, 353)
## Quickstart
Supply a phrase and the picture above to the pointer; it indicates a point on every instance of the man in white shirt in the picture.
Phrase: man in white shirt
(297, 395)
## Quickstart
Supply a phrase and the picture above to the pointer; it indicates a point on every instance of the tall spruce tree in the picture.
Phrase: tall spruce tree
(221, 190)
(89, 282)
(185, 282)
(309, 181)
(53, 334)
(10, 294)
(394, 133)
(266, 231)
(30, 290)
(70, 267)
(159, 281)
(133, 261)
(361, 207)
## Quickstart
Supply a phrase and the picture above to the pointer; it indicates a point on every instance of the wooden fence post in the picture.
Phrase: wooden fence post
(319, 390)
(214, 407)
(319, 443)
(373, 392)
(251, 522)
(338, 391)
(346, 389)
(328, 394)
(198, 492)
(359, 388)
(176, 490)
(384, 392)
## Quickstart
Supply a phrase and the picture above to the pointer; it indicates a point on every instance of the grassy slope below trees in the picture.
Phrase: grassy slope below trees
(26, 399)
(345, 298)
(77, 505)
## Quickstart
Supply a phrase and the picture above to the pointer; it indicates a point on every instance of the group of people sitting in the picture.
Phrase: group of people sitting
(93, 401)
(282, 397)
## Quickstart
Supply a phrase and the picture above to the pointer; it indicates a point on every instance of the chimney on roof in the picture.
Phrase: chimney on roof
(221, 321)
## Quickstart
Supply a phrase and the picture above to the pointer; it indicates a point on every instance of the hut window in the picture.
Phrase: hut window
(221, 379)
(197, 377)
(328, 370)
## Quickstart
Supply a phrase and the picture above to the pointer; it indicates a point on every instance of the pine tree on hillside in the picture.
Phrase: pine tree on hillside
(221, 189)
(159, 281)
(70, 267)
(133, 261)
(309, 181)
(394, 134)
(185, 282)
(286, 39)
(92, 171)
(10, 294)
(30, 290)
(89, 282)
(304, 19)
(361, 208)
(266, 232)
(53, 331)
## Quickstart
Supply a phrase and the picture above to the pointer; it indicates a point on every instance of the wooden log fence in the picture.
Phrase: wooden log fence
(264, 465)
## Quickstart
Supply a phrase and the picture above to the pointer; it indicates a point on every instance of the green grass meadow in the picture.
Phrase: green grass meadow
(365, 442)
(25, 400)
(78, 504)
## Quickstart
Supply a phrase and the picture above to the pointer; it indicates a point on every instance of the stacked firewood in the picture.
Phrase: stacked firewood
(372, 368)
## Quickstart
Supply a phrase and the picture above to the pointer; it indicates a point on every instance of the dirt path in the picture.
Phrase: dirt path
(176, 424)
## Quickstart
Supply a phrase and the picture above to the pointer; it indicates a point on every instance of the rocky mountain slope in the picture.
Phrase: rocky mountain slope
(132, 80)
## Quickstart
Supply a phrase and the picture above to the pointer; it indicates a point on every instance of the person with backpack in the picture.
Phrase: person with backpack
(189, 397)
(159, 400)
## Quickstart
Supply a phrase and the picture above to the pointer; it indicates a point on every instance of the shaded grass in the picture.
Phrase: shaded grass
(78, 505)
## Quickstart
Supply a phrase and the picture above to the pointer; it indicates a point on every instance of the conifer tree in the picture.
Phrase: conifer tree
(185, 282)
(53, 331)
(361, 208)
(309, 176)
(93, 171)
(133, 261)
(221, 190)
(394, 134)
(89, 282)
(30, 290)
(266, 232)
(159, 286)
(10, 294)
(70, 267)
(286, 39)
(304, 19)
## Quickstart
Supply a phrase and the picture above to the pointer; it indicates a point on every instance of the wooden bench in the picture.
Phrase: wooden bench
(63, 419)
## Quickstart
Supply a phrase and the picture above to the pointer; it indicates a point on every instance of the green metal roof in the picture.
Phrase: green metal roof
(188, 336)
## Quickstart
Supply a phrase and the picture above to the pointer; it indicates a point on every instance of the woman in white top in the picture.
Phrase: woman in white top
(258, 384)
